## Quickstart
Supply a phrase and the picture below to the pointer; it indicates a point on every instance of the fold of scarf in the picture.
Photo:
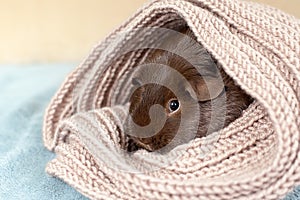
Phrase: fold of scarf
(255, 157)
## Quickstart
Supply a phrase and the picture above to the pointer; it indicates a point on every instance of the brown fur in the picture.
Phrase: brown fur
(147, 95)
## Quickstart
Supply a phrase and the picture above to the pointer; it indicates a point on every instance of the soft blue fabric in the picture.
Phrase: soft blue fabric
(25, 92)
(294, 195)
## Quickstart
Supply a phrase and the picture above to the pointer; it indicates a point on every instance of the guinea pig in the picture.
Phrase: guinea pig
(219, 99)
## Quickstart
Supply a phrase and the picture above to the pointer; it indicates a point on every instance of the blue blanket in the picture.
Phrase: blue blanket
(25, 92)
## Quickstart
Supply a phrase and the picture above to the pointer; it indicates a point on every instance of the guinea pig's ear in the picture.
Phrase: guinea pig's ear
(206, 88)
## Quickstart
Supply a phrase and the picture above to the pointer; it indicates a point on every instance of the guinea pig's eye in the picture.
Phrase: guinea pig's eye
(174, 105)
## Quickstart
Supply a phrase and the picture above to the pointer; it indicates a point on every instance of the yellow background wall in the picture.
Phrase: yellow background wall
(66, 30)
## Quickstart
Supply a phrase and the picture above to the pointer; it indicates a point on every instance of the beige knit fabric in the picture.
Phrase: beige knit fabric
(255, 157)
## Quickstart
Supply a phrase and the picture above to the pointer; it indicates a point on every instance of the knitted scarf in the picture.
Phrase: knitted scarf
(255, 157)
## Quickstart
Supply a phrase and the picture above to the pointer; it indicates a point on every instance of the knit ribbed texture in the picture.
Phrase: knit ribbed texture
(255, 157)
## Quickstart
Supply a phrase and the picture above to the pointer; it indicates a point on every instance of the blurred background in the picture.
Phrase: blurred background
(55, 31)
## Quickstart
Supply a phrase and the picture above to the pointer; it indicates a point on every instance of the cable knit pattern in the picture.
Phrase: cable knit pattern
(255, 157)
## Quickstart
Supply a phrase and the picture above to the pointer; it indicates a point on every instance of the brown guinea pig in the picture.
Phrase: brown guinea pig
(218, 99)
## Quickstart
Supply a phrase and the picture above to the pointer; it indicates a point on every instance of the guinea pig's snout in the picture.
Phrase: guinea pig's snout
(146, 124)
